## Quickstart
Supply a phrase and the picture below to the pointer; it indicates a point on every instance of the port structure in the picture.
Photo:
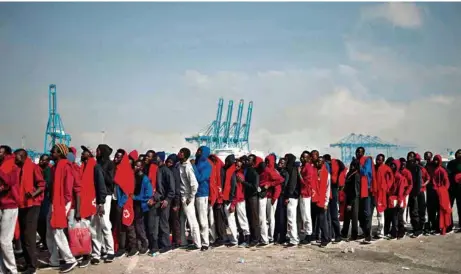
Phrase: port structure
(54, 132)
(373, 146)
(226, 134)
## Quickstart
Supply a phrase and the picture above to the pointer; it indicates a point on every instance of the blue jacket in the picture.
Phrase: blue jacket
(203, 172)
(145, 194)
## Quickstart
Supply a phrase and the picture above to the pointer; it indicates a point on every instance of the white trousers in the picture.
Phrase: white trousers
(270, 211)
(380, 218)
(241, 210)
(263, 220)
(188, 213)
(306, 216)
(212, 225)
(103, 228)
(292, 224)
(56, 240)
(201, 207)
(8, 219)
(233, 238)
(405, 211)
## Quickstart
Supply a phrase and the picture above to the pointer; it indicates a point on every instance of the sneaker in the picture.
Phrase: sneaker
(29, 271)
(193, 248)
(165, 250)
(324, 244)
(231, 245)
(65, 268)
(143, 251)
(290, 245)
(95, 261)
(153, 253)
(41, 265)
(337, 240)
(243, 245)
(262, 245)
(352, 239)
(120, 254)
(132, 252)
(391, 238)
(204, 248)
(84, 262)
(103, 255)
(110, 258)
(305, 242)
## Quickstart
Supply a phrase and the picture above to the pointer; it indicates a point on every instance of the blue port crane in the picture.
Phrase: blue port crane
(227, 134)
(373, 145)
(54, 132)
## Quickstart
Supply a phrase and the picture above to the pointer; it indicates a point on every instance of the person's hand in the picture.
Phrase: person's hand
(326, 207)
(240, 179)
(100, 210)
(266, 187)
(287, 201)
(164, 204)
(349, 208)
(232, 209)
(150, 202)
(176, 208)
(132, 196)
(313, 193)
(192, 161)
(29, 195)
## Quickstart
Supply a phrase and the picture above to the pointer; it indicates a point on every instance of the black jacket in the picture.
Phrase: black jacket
(166, 185)
(416, 175)
(292, 188)
(284, 173)
(251, 183)
(177, 189)
(99, 185)
(352, 187)
(108, 168)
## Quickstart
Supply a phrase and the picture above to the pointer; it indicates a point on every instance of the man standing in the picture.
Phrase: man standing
(322, 199)
(416, 200)
(366, 179)
(431, 196)
(8, 208)
(229, 194)
(164, 194)
(189, 187)
(44, 164)
(251, 183)
(306, 176)
(202, 174)
(383, 180)
(171, 163)
(61, 199)
(291, 195)
(337, 169)
(454, 174)
(31, 187)
(280, 232)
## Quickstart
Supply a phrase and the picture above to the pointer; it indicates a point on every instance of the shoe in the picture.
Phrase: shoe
(165, 250)
(103, 255)
(41, 265)
(132, 252)
(110, 258)
(352, 239)
(153, 253)
(262, 245)
(84, 262)
(95, 261)
(337, 240)
(204, 248)
(193, 247)
(120, 254)
(290, 245)
(29, 271)
(65, 268)
(324, 244)
(243, 245)
(231, 245)
(391, 238)
(143, 251)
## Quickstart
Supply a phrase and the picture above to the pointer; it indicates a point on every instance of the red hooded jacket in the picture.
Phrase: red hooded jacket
(441, 184)
(10, 198)
(397, 189)
(239, 192)
(61, 192)
(271, 178)
(88, 201)
(321, 177)
(407, 174)
(383, 181)
(216, 193)
(30, 179)
(124, 178)
(307, 180)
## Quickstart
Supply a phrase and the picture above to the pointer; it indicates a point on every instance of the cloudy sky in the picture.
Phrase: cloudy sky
(151, 73)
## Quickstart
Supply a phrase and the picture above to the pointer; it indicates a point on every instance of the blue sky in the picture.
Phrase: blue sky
(139, 70)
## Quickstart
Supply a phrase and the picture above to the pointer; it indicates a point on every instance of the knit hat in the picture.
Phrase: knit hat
(161, 155)
(63, 149)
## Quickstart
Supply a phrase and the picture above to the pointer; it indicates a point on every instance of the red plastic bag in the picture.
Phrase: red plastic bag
(80, 240)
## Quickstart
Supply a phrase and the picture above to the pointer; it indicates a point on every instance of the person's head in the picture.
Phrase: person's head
(437, 160)
(428, 156)
(282, 163)
(103, 152)
(133, 156)
(379, 159)
(229, 161)
(59, 152)
(118, 156)
(251, 160)
(142, 157)
(171, 160)
(389, 161)
(315, 156)
(161, 155)
(305, 157)
(150, 156)
(319, 162)
(245, 161)
(359, 152)
(44, 161)
(458, 155)
(403, 163)
(411, 157)
(183, 154)
(238, 164)
(4, 151)
(354, 164)
(327, 158)
(395, 165)
(86, 154)
(20, 157)
(270, 161)
(418, 159)
(138, 167)
(202, 154)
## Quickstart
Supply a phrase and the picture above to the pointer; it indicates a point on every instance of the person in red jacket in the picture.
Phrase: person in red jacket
(9, 198)
(229, 186)
(216, 216)
(426, 180)
(238, 204)
(441, 184)
(31, 189)
(270, 183)
(337, 173)
(306, 192)
(61, 199)
(432, 199)
(383, 180)
(397, 201)
(407, 174)
(322, 199)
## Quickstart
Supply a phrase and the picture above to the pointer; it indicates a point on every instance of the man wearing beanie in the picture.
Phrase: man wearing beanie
(164, 193)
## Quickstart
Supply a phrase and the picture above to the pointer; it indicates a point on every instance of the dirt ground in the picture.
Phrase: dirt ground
(433, 254)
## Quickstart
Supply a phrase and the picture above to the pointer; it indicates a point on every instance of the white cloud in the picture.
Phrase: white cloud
(404, 15)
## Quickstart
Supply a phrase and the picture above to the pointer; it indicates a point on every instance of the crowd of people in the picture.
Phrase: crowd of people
(152, 203)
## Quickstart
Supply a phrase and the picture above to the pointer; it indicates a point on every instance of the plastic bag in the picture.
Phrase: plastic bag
(80, 239)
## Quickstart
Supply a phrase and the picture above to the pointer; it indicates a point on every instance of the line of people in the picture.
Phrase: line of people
(133, 203)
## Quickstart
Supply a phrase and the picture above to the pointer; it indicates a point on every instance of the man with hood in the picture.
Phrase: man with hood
(61, 200)
(322, 198)
(441, 184)
(164, 195)
(238, 204)
(306, 176)
(407, 174)
(337, 173)
(202, 174)
(270, 182)
(382, 182)
(397, 201)
(172, 164)
(9, 189)
(352, 192)
(189, 186)
(103, 210)
(280, 232)
(416, 200)
(251, 183)
(229, 186)
(432, 199)
(31, 188)
(291, 196)
(454, 174)
(216, 216)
